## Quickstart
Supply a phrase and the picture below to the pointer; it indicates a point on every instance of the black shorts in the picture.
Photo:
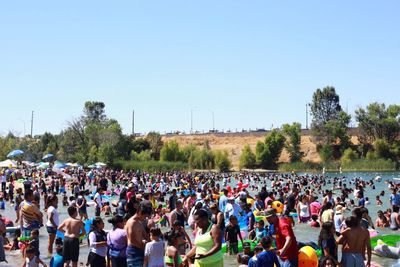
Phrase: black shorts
(97, 212)
(71, 249)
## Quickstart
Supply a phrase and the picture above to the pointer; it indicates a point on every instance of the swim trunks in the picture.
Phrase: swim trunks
(71, 249)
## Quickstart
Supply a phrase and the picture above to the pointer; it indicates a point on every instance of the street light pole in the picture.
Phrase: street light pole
(32, 124)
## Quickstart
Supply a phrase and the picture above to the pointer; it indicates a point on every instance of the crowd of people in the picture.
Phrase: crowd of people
(185, 219)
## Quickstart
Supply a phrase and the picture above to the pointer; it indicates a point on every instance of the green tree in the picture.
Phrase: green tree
(379, 122)
(222, 161)
(107, 153)
(140, 144)
(170, 152)
(188, 153)
(382, 149)
(142, 156)
(349, 155)
(247, 158)
(325, 152)
(324, 107)
(330, 122)
(293, 141)
(155, 143)
(260, 147)
(93, 155)
(94, 111)
(269, 152)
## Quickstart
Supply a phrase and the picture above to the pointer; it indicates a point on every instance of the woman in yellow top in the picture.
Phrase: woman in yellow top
(207, 248)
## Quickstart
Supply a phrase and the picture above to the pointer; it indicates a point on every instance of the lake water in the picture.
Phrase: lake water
(302, 231)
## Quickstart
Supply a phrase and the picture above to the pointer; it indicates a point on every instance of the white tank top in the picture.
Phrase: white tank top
(304, 210)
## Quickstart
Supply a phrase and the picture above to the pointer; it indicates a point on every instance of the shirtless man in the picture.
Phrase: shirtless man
(72, 229)
(354, 240)
(137, 235)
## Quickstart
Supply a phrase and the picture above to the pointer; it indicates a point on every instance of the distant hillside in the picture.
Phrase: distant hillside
(234, 143)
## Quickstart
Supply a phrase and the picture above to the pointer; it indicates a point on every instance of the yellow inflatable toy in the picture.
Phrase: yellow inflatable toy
(308, 257)
(278, 206)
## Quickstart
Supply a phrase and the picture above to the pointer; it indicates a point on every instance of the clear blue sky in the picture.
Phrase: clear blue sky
(253, 63)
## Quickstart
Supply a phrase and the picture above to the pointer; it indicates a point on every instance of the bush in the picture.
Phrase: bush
(267, 153)
(299, 166)
(325, 152)
(150, 166)
(145, 155)
(293, 136)
(370, 155)
(247, 158)
(222, 161)
(349, 155)
(171, 152)
(369, 165)
(382, 149)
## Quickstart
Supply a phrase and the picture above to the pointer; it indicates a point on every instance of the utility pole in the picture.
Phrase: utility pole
(191, 121)
(133, 122)
(32, 125)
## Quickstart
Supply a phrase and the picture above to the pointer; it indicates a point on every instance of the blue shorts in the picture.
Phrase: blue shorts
(134, 256)
(51, 229)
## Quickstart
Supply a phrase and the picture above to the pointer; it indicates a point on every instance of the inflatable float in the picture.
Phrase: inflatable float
(385, 246)
(308, 257)
(240, 246)
(390, 240)
(12, 229)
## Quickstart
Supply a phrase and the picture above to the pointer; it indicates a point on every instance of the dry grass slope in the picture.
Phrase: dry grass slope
(234, 143)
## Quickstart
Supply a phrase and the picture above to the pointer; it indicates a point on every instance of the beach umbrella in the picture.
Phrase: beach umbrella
(43, 165)
(48, 156)
(72, 164)
(100, 164)
(15, 153)
(28, 163)
(60, 165)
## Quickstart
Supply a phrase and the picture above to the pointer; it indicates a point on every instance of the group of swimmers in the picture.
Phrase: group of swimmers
(194, 213)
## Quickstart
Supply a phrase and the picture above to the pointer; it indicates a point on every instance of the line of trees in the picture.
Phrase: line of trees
(94, 137)
(378, 126)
